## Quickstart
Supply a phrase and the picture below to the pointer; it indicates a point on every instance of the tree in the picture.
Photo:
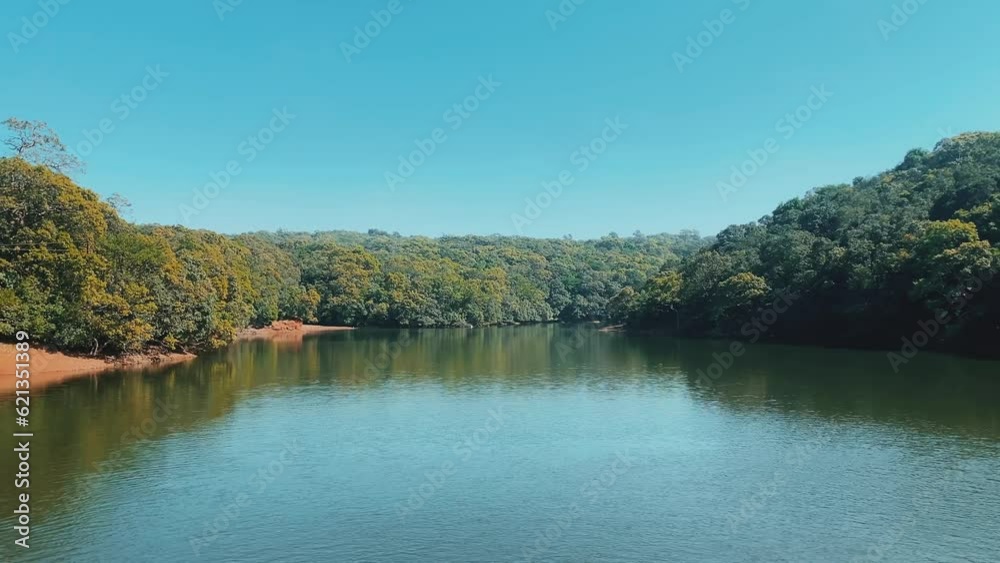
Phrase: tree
(738, 297)
(947, 258)
(37, 143)
(867, 261)
(660, 299)
(623, 306)
(121, 204)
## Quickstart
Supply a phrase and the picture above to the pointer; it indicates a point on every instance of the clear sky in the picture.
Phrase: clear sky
(556, 80)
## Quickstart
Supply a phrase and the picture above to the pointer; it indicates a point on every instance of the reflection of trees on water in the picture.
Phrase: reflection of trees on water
(79, 425)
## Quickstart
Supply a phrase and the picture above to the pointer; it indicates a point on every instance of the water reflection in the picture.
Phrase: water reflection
(99, 425)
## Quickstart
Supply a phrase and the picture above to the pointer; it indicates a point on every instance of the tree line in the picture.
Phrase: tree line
(78, 277)
(901, 260)
(868, 264)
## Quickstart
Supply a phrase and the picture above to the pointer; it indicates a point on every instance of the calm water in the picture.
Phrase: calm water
(535, 443)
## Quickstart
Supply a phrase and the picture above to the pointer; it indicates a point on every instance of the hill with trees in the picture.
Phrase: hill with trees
(78, 277)
(865, 264)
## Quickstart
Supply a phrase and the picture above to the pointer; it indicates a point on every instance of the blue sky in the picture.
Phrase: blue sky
(557, 81)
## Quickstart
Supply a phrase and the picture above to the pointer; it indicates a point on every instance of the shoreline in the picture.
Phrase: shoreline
(287, 329)
(51, 368)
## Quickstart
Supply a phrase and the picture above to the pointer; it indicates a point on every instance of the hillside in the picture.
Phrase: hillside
(78, 277)
(866, 264)
(912, 250)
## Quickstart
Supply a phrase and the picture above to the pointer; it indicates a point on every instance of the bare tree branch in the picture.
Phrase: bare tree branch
(37, 143)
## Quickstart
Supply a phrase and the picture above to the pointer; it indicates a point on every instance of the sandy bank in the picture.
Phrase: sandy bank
(47, 368)
(282, 330)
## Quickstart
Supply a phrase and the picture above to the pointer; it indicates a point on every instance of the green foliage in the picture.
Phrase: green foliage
(739, 295)
(656, 304)
(869, 260)
(390, 280)
(78, 277)
(866, 261)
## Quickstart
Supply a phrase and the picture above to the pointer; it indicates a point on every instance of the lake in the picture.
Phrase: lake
(539, 443)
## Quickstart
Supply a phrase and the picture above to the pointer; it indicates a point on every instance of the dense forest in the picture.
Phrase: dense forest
(911, 250)
(78, 277)
(864, 264)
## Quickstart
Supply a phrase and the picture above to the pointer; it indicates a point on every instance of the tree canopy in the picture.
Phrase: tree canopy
(870, 260)
(78, 277)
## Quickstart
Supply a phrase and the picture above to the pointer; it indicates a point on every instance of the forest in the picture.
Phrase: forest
(78, 277)
(869, 263)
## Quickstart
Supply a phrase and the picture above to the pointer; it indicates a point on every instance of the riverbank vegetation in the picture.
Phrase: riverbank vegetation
(78, 277)
(867, 263)
(908, 253)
